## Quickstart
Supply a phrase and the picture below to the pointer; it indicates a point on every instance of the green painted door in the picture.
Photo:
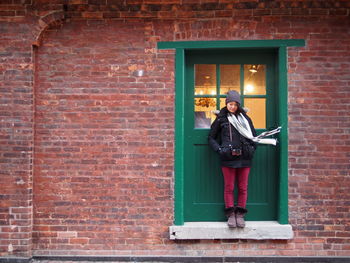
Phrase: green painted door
(209, 75)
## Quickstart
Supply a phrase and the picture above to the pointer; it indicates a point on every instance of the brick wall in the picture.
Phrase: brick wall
(103, 137)
(16, 139)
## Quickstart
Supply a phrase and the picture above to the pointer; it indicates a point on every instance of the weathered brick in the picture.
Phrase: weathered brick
(104, 138)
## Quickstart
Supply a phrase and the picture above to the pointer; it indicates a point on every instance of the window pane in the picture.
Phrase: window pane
(205, 79)
(254, 79)
(229, 78)
(203, 115)
(257, 112)
(222, 103)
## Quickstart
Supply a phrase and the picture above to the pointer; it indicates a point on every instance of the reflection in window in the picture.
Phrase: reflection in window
(222, 103)
(257, 111)
(229, 78)
(204, 115)
(254, 79)
(205, 79)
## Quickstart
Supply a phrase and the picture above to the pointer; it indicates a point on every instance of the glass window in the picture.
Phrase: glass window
(204, 108)
(205, 79)
(229, 78)
(257, 111)
(254, 79)
(222, 102)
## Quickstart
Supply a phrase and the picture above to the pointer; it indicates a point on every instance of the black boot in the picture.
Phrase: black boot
(231, 216)
(240, 213)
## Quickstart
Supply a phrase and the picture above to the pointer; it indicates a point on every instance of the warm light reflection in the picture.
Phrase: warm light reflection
(255, 79)
(253, 68)
(249, 88)
(206, 91)
(257, 111)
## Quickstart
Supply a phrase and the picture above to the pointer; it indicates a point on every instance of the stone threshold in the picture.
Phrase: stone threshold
(258, 230)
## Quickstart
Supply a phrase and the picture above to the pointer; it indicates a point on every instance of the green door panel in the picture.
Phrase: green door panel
(203, 190)
(203, 180)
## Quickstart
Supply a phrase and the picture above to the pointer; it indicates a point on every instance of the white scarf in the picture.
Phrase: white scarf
(242, 126)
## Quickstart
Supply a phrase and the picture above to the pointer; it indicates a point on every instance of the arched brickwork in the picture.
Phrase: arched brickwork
(50, 20)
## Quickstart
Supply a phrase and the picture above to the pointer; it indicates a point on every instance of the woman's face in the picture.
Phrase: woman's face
(232, 106)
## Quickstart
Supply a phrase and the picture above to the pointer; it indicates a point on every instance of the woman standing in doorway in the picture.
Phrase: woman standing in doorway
(227, 139)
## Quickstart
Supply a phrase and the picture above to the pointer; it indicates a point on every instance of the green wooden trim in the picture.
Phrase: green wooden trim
(255, 96)
(283, 142)
(241, 84)
(179, 135)
(224, 96)
(271, 43)
(180, 104)
(205, 96)
(218, 86)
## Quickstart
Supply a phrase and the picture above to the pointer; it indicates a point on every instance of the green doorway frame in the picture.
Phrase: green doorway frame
(282, 98)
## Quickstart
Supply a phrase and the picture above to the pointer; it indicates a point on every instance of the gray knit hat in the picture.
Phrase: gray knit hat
(233, 95)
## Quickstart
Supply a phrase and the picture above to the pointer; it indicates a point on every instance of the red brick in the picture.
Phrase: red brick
(93, 172)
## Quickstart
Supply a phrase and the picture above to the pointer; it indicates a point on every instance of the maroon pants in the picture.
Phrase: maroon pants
(230, 177)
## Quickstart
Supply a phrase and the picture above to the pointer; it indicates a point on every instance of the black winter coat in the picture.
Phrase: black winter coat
(219, 140)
